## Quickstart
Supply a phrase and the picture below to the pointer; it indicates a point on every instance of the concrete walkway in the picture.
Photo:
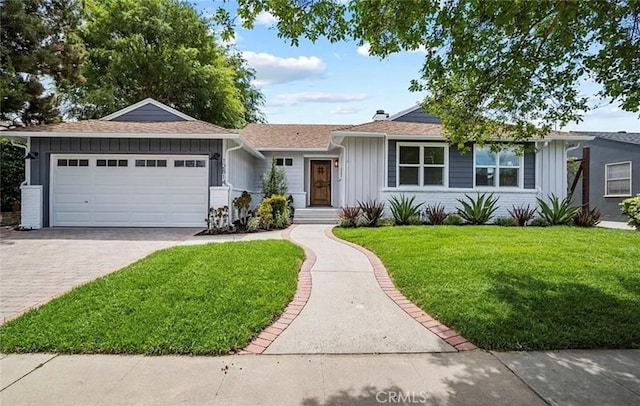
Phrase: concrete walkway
(619, 225)
(348, 313)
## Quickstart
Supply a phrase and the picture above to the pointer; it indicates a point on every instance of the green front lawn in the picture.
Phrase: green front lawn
(512, 288)
(206, 299)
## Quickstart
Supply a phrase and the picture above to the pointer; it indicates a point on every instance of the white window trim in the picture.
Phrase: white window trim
(497, 177)
(422, 165)
(606, 178)
(284, 160)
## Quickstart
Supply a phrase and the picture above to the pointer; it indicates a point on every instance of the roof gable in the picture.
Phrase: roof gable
(415, 114)
(148, 110)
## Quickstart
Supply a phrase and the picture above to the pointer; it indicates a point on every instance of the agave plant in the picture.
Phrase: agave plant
(522, 214)
(436, 214)
(372, 212)
(405, 211)
(587, 218)
(559, 212)
(349, 216)
(479, 210)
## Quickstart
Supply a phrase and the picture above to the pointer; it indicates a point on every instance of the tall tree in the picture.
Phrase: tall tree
(491, 67)
(162, 49)
(38, 44)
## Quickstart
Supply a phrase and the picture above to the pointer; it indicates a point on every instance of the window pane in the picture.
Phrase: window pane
(178, 163)
(408, 175)
(112, 162)
(508, 177)
(434, 155)
(73, 162)
(200, 163)
(151, 163)
(279, 162)
(140, 162)
(508, 158)
(409, 155)
(84, 162)
(123, 162)
(485, 177)
(190, 163)
(619, 171)
(618, 187)
(101, 162)
(162, 163)
(485, 157)
(62, 162)
(288, 162)
(433, 176)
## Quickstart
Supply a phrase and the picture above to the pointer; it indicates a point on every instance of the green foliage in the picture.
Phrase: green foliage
(242, 204)
(372, 212)
(405, 211)
(436, 214)
(522, 214)
(218, 220)
(162, 49)
(38, 38)
(11, 174)
(489, 65)
(539, 222)
(479, 210)
(274, 181)
(506, 222)
(349, 216)
(253, 224)
(631, 207)
(202, 299)
(587, 218)
(559, 212)
(274, 212)
(265, 214)
(453, 220)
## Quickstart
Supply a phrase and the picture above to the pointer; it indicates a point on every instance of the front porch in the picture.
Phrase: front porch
(316, 215)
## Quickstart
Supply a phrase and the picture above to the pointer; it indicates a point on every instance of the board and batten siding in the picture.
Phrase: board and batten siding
(40, 167)
(148, 112)
(363, 169)
(552, 169)
(242, 174)
(461, 171)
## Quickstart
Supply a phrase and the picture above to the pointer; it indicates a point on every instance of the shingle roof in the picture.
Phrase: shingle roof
(629, 138)
(289, 135)
(133, 127)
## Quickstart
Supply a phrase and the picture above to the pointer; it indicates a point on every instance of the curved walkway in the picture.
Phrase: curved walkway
(347, 311)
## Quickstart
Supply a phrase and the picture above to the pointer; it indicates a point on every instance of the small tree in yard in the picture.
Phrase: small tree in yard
(274, 182)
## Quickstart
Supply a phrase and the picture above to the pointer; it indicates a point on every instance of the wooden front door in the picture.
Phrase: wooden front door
(320, 184)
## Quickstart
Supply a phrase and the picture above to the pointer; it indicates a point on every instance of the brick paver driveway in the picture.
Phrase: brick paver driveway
(36, 266)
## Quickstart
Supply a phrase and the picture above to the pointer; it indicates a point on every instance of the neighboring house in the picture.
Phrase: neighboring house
(151, 166)
(614, 171)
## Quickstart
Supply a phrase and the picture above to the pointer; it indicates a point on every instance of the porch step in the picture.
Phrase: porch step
(316, 216)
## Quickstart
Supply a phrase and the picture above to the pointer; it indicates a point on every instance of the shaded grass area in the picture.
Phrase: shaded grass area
(511, 288)
(204, 299)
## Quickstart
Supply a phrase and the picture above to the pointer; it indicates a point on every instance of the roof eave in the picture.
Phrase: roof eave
(53, 134)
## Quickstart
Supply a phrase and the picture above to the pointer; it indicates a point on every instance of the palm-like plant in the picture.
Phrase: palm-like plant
(522, 214)
(436, 214)
(372, 212)
(405, 211)
(559, 212)
(478, 211)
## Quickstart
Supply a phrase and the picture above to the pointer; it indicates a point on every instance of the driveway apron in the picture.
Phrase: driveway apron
(348, 313)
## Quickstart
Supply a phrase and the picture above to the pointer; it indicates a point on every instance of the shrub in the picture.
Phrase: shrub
(539, 222)
(506, 222)
(349, 216)
(242, 204)
(587, 218)
(279, 205)
(478, 211)
(559, 212)
(274, 181)
(372, 212)
(453, 220)
(631, 207)
(405, 211)
(253, 224)
(265, 214)
(522, 214)
(282, 219)
(218, 220)
(436, 215)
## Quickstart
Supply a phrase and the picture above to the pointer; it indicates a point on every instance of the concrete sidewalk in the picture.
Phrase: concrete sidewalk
(348, 313)
(466, 378)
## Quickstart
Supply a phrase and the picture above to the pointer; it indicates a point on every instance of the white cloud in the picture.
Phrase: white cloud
(364, 49)
(292, 99)
(266, 18)
(271, 69)
(345, 109)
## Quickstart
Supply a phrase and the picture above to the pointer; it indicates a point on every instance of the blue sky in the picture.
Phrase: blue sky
(339, 83)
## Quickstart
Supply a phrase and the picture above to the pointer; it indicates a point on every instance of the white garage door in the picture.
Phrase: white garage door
(129, 190)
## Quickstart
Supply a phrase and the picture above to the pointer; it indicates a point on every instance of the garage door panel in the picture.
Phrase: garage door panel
(133, 196)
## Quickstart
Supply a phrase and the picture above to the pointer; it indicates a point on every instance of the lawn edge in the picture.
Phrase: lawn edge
(303, 291)
(452, 337)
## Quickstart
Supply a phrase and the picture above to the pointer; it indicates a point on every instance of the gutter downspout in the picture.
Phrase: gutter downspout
(343, 185)
(226, 177)
(27, 162)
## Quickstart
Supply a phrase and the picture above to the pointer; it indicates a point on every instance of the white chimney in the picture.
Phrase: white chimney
(380, 115)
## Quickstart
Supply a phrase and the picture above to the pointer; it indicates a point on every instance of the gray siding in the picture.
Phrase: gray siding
(461, 167)
(604, 152)
(148, 112)
(418, 116)
(40, 167)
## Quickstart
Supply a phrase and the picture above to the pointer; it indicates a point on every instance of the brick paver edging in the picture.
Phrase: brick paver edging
(451, 336)
(303, 291)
